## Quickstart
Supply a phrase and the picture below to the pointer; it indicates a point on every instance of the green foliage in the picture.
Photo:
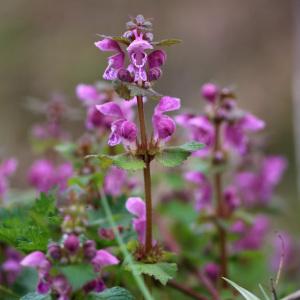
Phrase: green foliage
(245, 293)
(30, 228)
(120, 39)
(36, 296)
(125, 161)
(128, 90)
(115, 293)
(161, 271)
(167, 42)
(175, 156)
(78, 275)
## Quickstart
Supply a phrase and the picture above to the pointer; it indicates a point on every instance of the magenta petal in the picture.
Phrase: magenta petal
(164, 126)
(251, 123)
(157, 58)
(128, 131)
(136, 206)
(33, 259)
(102, 259)
(108, 45)
(86, 93)
(167, 103)
(8, 167)
(110, 109)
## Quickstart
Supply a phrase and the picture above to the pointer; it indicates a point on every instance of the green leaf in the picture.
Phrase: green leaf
(125, 161)
(128, 90)
(264, 292)
(65, 149)
(78, 275)
(162, 271)
(167, 42)
(115, 293)
(36, 296)
(175, 156)
(246, 294)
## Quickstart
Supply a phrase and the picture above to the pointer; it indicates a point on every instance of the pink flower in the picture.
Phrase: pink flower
(102, 259)
(137, 207)
(164, 126)
(115, 181)
(89, 94)
(209, 92)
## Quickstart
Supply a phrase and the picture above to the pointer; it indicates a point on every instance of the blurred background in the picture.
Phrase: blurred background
(47, 46)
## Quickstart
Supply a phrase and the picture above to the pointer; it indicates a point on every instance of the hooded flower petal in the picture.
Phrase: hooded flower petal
(88, 94)
(108, 45)
(167, 103)
(102, 259)
(251, 123)
(157, 58)
(33, 259)
(164, 126)
(136, 206)
(110, 109)
(128, 131)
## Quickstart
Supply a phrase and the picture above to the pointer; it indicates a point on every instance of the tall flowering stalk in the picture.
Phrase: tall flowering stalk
(134, 83)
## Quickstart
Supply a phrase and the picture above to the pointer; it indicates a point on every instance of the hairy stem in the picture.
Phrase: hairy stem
(147, 174)
(220, 207)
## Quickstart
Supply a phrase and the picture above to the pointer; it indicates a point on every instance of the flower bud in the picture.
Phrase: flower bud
(128, 35)
(128, 131)
(124, 75)
(212, 271)
(43, 287)
(209, 91)
(89, 249)
(148, 36)
(164, 126)
(157, 58)
(54, 251)
(72, 243)
(154, 74)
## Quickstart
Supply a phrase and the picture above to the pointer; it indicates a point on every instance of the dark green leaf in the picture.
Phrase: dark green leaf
(125, 161)
(78, 275)
(115, 293)
(191, 146)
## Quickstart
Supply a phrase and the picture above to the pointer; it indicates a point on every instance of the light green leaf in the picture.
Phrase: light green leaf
(175, 156)
(36, 296)
(115, 293)
(66, 149)
(125, 161)
(78, 275)
(120, 39)
(167, 42)
(246, 294)
(162, 271)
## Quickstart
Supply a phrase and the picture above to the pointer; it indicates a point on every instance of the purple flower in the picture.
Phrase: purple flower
(258, 187)
(115, 62)
(102, 259)
(11, 267)
(89, 249)
(62, 174)
(137, 207)
(164, 126)
(122, 130)
(89, 94)
(251, 238)
(7, 169)
(115, 181)
(236, 134)
(203, 191)
(34, 259)
(72, 243)
(212, 271)
(43, 286)
(231, 198)
(210, 92)
(62, 287)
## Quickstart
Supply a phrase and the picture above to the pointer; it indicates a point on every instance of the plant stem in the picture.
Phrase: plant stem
(220, 209)
(147, 174)
(186, 290)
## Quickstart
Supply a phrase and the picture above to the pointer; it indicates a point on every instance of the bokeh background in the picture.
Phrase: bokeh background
(47, 46)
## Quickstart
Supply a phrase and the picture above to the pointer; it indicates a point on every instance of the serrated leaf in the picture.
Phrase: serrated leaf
(175, 156)
(128, 90)
(167, 42)
(245, 293)
(78, 275)
(115, 293)
(36, 296)
(125, 161)
(172, 157)
(162, 271)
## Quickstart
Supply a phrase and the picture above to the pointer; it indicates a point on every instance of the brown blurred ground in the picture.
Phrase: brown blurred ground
(48, 45)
